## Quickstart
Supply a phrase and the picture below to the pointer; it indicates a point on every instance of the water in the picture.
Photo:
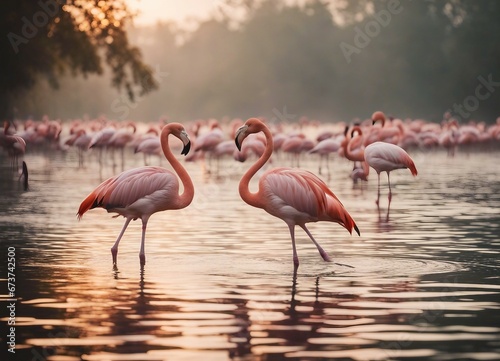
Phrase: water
(218, 284)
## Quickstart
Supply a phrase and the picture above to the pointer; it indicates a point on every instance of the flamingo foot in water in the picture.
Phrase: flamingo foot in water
(325, 256)
(114, 253)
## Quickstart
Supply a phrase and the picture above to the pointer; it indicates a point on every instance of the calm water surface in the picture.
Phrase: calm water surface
(218, 284)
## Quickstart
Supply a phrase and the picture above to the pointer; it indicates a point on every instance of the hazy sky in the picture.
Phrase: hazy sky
(177, 10)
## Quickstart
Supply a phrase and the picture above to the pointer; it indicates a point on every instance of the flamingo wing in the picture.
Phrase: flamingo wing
(386, 157)
(141, 187)
(288, 189)
(326, 146)
(300, 196)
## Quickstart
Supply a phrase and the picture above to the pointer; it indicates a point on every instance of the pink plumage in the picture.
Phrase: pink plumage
(386, 157)
(141, 192)
(294, 195)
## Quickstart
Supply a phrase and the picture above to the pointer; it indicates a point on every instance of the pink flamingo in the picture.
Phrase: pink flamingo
(140, 192)
(81, 140)
(293, 145)
(324, 148)
(386, 157)
(354, 151)
(149, 146)
(207, 142)
(294, 195)
(121, 138)
(13, 144)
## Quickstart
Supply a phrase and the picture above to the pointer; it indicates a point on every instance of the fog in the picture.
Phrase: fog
(411, 59)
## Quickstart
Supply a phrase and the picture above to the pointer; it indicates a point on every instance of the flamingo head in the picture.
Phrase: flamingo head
(378, 116)
(356, 130)
(178, 131)
(252, 125)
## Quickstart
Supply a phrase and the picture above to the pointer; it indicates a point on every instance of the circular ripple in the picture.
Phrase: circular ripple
(395, 266)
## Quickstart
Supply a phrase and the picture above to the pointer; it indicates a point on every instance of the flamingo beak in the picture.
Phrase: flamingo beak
(187, 143)
(186, 148)
(240, 136)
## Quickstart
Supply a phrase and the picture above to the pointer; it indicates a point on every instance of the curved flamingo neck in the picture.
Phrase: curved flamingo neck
(187, 196)
(381, 120)
(253, 198)
(358, 156)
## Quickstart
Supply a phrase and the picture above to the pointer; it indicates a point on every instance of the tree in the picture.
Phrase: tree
(48, 38)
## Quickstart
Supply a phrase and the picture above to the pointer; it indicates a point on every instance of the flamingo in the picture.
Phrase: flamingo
(149, 146)
(13, 144)
(141, 192)
(294, 195)
(208, 141)
(386, 157)
(324, 148)
(354, 151)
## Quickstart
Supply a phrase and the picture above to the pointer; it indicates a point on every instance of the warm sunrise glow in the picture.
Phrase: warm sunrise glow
(151, 11)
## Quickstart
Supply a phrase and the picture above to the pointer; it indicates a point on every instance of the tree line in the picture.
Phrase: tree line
(417, 59)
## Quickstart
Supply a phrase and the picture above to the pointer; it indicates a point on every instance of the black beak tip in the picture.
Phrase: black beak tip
(186, 149)
(238, 145)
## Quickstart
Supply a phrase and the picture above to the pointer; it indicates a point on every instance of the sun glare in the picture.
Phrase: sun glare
(152, 11)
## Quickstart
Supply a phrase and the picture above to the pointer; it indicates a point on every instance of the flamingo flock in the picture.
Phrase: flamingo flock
(296, 196)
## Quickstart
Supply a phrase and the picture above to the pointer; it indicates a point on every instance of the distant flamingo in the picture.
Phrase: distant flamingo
(207, 142)
(13, 144)
(386, 157)
(386, 133)
(324, 148)
(149, 146)
(140, 192)
(121, 138)
(294, 195)
(81, 140)
(354, 151)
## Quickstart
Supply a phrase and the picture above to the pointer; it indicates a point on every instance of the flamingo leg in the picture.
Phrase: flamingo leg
(378, 189)
(390, 192)
(328, 164)
(123, 157)
(142, 254)
(114, 249)
(322, 252)
(295, 256)
(80, 162)
(390, 197)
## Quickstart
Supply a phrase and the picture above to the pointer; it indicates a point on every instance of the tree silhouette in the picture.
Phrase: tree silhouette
(48, 38)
